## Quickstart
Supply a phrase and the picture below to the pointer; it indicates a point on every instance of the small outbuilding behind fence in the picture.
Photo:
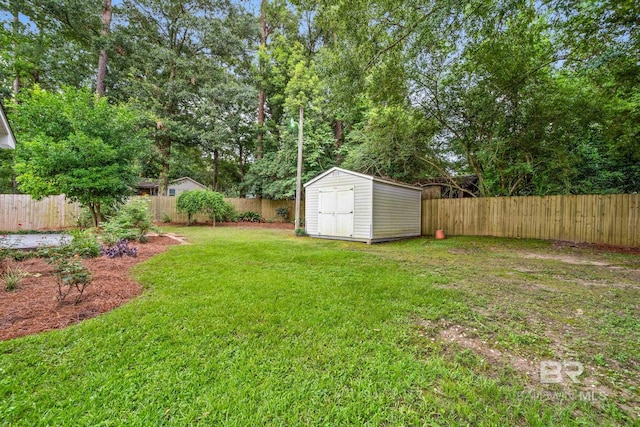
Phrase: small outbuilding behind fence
(346, 205)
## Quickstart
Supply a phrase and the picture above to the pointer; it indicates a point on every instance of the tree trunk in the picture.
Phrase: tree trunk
(241, 162)
(98, 214)
(16, 80)
(261, 99)
(259, 146)
(102, 60)
(94, 216)
(216, 161)
(337, 133)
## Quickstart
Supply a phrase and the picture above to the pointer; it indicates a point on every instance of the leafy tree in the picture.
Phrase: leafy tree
(274, 175)
(277, 21)
(225, 117)
(513, 90)
(206, 202)
(530, 97)
(394, 142)
(7, 181)
(75, 144)
(171, 52)
(50, 43)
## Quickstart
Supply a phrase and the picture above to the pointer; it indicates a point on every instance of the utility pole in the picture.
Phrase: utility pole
(299, 174)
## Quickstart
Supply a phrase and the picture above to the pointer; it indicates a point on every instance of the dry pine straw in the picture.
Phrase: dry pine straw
(33, 307)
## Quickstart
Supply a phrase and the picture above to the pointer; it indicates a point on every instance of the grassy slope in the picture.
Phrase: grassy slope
(248, 327)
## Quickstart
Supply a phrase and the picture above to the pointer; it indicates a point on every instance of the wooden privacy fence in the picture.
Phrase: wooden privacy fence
(610, 219)
(165, 205)
(21, 212)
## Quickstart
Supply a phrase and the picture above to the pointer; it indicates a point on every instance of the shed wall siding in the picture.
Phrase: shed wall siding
(185, 186)
(396, 211)
(362, 188)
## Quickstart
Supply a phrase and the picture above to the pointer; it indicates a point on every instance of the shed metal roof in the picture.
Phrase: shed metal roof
(361, 175)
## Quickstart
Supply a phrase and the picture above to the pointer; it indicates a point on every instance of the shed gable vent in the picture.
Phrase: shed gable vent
(335, 174)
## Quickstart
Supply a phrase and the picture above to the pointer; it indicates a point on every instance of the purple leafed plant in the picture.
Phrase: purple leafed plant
(120, 249)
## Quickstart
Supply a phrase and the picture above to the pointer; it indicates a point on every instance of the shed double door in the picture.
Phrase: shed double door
(335, 211)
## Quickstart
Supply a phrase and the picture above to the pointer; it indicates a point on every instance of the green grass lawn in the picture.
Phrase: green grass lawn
(258, 327)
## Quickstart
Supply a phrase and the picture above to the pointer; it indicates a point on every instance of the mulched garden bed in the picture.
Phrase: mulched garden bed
(33, 307)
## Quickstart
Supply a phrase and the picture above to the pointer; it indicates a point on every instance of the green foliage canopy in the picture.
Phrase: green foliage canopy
(76, 144)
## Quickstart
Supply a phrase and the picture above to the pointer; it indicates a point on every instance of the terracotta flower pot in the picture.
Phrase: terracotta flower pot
(439, 234)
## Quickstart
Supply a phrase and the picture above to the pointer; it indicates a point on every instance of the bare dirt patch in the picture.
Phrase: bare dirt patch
(33, 307)
(457, 334)
(569, 259)
(597, 247)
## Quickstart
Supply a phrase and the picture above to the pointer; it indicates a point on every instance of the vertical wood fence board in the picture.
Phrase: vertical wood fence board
(632, 221)
(621, 209)
(610, 219)
(579, 219)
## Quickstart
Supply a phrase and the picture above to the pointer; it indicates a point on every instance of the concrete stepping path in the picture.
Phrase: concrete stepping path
(33, 241)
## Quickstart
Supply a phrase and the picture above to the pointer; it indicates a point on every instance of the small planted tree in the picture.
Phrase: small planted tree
(205, 202)
(132, 222)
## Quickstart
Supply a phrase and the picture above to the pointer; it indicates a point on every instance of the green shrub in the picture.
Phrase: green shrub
(230, 215)
(22, 232)
(283, 212)
(300, 232)
(12, 278)
(166, 218)
(206, 202)
(18, 254)
(70, 275)
(132, 222)
(84, 243)
(249, 216)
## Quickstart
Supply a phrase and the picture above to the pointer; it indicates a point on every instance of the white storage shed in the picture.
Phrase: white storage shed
(346, 205)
